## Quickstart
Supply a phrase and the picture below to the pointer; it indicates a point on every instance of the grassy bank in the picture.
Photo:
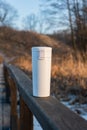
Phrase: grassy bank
(69, 74)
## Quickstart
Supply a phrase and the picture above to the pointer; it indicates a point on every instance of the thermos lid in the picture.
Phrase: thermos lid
(41, 52)
(41, 48)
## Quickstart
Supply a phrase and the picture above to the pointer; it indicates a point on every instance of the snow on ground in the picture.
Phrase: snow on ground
(36, 124)
(78, 109)
(81, 109)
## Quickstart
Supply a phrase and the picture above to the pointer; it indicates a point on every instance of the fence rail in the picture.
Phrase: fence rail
(51, 114)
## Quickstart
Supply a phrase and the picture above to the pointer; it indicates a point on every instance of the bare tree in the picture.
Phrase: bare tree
(71, 23)
(55, 13)
(71, 12)
(35, 23)
(43, 25)
(80, 24)
(8, 14)
(30, 22)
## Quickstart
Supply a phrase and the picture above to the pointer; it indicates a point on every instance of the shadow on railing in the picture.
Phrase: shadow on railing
(51, 114)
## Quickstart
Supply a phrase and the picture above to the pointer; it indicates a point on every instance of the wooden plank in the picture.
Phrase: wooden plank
(51, 114)
(14, 116)
(26, 117)
(6, 83)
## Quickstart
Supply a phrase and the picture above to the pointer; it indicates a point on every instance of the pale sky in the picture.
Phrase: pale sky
(24, 7)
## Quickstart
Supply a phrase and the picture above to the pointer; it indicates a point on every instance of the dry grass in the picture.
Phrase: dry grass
(24, 62)
(67, 72)
(15, 43)
(69, 67)
(69, 77)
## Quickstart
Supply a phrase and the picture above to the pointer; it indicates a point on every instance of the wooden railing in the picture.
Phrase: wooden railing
(51, 114)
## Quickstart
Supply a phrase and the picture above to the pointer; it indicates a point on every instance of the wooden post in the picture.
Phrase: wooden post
(26, 116)
(14, 117)
(7, 85)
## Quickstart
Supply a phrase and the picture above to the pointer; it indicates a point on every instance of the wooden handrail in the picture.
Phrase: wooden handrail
(51, 114)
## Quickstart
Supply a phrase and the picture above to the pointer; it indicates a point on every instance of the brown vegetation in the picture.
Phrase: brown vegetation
(68, 73)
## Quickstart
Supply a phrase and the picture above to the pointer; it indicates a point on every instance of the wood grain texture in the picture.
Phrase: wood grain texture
(26, 117)
(51, 114)
(13, 114)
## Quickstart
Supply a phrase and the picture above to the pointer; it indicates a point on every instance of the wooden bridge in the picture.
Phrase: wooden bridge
(17, 114)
